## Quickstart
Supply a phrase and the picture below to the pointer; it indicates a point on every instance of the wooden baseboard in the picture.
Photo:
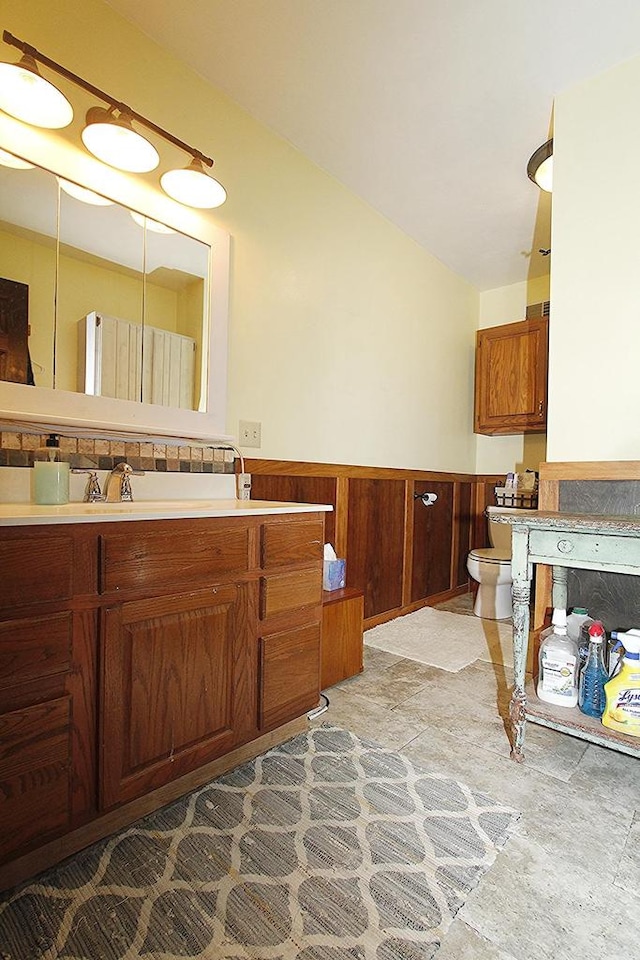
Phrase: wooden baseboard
(57, 850)
(416, 605)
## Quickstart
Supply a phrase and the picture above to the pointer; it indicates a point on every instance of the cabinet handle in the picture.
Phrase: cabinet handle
(541, 408)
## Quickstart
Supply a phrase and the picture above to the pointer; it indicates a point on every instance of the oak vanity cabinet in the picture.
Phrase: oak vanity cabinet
(135, 656)
(511, 378)
(47, 685)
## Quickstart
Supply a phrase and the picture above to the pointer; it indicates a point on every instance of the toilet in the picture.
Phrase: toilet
(491, 567)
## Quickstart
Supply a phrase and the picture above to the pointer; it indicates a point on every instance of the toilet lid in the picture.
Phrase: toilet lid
(491, 555)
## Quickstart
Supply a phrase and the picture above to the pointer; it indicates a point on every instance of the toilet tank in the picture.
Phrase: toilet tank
(500, 533)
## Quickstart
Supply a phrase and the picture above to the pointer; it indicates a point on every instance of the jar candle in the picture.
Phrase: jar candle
(51, 481)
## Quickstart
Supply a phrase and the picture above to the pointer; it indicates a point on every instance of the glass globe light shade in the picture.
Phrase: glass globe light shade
(540, 166)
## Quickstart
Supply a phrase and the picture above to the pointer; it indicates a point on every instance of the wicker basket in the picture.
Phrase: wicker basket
(523, 499)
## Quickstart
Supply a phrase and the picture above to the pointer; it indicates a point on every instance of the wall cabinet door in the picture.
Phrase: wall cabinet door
(511, 378)
(176, 687)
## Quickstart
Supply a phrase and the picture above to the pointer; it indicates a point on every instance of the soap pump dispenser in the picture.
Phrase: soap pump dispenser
(51, 475)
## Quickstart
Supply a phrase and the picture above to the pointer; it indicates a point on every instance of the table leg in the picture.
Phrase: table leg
(559, 587)
(521, 592)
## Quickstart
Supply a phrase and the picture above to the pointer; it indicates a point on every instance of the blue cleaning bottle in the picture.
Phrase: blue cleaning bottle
(591, 696)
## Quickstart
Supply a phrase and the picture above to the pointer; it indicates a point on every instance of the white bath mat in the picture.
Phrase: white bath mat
(450, 641)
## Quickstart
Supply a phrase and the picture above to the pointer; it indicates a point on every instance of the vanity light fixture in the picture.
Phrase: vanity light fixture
(26, 95)
(8, 160)
(81, 193)
(110, 134)
(540, 166)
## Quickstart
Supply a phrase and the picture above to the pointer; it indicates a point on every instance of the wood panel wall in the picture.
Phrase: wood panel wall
(401, 554)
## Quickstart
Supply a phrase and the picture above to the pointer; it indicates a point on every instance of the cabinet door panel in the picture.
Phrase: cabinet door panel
(511, 377)
(35, 773)
(289, 675)
(170, 668)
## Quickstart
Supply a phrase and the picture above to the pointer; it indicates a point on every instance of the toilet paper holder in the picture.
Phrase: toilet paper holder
(427, 498)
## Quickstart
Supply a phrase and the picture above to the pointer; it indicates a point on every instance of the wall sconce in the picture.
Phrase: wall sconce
(109, 133)
(540, 166)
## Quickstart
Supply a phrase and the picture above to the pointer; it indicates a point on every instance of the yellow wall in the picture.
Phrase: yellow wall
(594, 380)
(348, 341)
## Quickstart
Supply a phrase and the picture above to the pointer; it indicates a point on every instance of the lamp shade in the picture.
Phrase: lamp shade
(83, 194)
(540, 166)
(114, 141)
(193, 187)
(26, 95)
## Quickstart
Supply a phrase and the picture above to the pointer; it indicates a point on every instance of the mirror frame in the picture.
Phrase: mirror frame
(27, 407)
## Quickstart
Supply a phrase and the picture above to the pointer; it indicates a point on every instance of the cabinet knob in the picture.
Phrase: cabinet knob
(565, 546)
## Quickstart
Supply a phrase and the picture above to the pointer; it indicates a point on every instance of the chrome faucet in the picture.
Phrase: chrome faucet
(92, 493)
(118, 487)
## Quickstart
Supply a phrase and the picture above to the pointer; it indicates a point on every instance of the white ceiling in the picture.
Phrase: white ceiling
(427, 109)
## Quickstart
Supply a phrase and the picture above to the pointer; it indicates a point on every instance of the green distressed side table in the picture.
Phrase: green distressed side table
(562, 540)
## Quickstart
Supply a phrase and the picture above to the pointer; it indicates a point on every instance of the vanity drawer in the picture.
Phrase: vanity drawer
(592, 548)
(289, 675)
(35, 773)
(291, 542)
(172, 557)
(34, 648)
(35, 570)
(284, 592)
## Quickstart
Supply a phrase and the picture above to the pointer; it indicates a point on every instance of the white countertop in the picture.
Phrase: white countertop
(27, 514)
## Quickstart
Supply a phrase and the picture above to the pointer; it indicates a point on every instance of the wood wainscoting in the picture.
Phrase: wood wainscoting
(400, 553)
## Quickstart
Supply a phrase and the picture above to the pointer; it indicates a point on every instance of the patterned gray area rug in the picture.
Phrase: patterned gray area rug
(328, 847)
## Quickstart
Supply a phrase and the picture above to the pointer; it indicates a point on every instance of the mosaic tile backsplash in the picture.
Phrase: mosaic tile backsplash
(20, 450)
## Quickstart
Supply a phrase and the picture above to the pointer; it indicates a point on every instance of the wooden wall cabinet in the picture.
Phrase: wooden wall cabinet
(511, 378)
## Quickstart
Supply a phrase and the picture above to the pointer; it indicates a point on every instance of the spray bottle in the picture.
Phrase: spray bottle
(622, 712)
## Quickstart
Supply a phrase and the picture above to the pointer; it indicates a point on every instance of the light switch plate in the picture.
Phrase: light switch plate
(250, 433)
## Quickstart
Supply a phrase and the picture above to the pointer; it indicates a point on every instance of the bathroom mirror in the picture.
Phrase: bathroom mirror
(123, 307)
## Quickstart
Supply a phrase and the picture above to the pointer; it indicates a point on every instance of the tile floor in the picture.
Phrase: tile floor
(567, 885)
